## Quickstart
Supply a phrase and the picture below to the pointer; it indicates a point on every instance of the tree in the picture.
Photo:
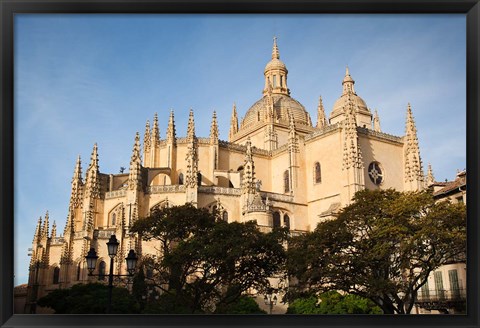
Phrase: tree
(383, 247)
(89, 299)
(243, 305)
(205, 262)
(333, 302)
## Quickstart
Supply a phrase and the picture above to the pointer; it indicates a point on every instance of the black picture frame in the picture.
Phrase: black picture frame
(471, 8)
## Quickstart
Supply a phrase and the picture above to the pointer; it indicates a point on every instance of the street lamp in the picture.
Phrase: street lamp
(112, 246)
(270, 299)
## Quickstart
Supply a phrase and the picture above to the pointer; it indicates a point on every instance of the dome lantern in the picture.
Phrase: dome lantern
(276, 73)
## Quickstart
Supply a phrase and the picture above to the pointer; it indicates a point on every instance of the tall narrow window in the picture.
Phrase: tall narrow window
(439, 285)
(199, 178)
(274, 81)
(454, 285)
(286, 221)
(225, 216)
(56, 275)
(286, 181)
(281, 81)
(180, 179)
(276, 220)
(101, 270)
(424, 291)
(114, 219)
(318, 173)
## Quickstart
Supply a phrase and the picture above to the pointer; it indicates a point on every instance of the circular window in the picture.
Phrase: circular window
(375, 173)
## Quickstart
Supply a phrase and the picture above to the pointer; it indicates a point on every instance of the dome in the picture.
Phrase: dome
(358, 102)
(282, 105)
(275, 64)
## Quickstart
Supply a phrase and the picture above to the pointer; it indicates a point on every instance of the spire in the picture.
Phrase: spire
(233, 123)
(352, 156)
(92, 187)
(147, 136)
(214, 129)
(45, 227)
(248, 180)
(275, 52)
(54, 230)
(292, 134)
(191, 127)
(191, 159)
(430, 177)
(155, 136)
(77, 185)
(376, 122)
(38, 231)
(135, 173)
(348, 83)
(321, 118)
(171, 128)
(413, 161)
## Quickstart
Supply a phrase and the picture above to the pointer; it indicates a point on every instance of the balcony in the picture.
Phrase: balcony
(442, 300)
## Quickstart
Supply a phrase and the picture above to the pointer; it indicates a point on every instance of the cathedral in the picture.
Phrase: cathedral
(278, 168)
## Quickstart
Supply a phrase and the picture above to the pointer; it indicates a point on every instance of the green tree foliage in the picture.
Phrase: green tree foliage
(333, 302)
(202, 256)
(383, 247)
(89, 299)
(242, 305)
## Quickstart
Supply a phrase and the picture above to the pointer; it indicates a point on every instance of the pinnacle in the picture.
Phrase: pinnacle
(275, 52)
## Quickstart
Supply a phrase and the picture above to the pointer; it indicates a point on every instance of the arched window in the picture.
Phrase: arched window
(78, 271)
(286, 221)
(286, 181)
(101, 270)
(276, 220)
(114, 219)
(225, 216)
(317, 173)
(56, 275)
(180, 179)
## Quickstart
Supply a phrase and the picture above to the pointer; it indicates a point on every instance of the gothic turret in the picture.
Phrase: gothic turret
(92, 184)
(214, 129)
(412, 160)
(146, 144)
(321, 118)
(248, 181)
(54, 230)
(77, 186)
(171, 137)
(233, 123)
(135, 174)
(45, 227)
(191, 177)
(376, 122)
(352, 155)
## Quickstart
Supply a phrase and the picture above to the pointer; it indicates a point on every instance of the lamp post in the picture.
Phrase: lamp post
(112, 246)
(270, 299)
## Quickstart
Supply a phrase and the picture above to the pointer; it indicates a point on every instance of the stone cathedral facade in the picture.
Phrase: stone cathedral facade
(278, 168)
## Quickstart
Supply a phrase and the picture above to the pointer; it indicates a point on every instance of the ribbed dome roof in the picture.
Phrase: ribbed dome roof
(282, 105)
(359, 103)
(275, 64)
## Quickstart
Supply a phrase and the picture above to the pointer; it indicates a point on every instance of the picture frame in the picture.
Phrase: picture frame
(471, 8)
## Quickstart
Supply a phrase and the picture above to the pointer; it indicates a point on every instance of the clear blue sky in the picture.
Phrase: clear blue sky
(81, 79)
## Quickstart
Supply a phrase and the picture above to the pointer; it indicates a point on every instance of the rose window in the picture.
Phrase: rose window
(375, 173)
